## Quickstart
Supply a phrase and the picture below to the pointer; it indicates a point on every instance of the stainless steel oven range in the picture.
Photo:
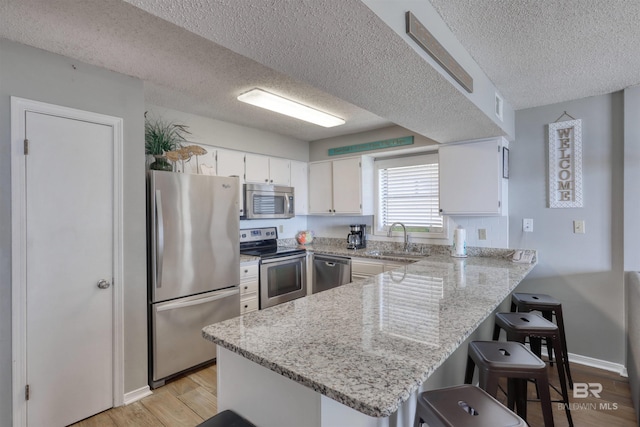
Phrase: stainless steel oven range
(283, 270)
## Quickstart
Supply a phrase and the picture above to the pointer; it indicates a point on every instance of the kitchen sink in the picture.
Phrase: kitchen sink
(397, 254)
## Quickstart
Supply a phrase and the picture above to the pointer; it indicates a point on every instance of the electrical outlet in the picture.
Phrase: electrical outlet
(578, 226)
(527, 225)
(482, 234)
(281, 228)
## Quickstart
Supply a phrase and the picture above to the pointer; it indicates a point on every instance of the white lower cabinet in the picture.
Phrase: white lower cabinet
(362, 268)
(249, 285)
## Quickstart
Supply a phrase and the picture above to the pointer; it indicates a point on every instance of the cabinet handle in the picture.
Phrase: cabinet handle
(266, 180)
(271, 180)
(246, 306)
(246, 271)
(246, 287)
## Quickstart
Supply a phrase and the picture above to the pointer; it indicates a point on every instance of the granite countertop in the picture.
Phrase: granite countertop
(248, 258)
(370, 344)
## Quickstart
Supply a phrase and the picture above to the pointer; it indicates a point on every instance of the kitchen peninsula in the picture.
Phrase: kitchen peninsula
(359, 354)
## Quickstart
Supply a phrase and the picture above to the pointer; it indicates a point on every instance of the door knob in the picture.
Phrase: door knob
(103, 284)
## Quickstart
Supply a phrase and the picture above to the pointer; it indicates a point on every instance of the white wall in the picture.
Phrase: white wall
(205, 130)
(583, 271)
(42, 76)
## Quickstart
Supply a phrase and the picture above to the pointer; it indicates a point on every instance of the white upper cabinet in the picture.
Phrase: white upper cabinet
(342, 186)
(267, 170)
(299, 181)
(204, 164)
(471, 178)
(320, 188)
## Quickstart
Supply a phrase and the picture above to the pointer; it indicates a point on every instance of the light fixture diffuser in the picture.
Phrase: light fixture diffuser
(264, 99)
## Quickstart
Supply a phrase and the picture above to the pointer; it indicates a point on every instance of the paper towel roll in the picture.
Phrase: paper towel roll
(459, 248)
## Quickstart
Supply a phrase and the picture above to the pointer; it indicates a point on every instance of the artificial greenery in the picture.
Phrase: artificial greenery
(161, 136)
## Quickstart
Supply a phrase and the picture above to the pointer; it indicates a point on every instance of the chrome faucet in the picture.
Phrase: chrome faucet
(404, 230)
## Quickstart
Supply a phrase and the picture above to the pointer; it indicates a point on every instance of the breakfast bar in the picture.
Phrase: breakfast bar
(359, 354)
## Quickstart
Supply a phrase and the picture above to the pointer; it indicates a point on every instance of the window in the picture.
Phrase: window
(407, 192)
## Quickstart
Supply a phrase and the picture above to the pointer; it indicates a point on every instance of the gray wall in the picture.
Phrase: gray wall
(631, 179)
(631, 237)
(38, 75)
(583, 271)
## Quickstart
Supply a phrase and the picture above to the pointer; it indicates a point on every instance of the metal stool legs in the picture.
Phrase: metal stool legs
(513, 361)
(519, 326)
(548, 307)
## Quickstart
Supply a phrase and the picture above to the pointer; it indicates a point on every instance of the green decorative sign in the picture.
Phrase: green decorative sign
(368, 146)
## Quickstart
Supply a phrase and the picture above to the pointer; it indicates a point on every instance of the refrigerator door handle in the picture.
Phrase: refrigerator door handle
(159, 239)
(178, 304)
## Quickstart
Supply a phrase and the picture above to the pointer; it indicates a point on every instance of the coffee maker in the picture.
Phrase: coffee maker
(357, 237)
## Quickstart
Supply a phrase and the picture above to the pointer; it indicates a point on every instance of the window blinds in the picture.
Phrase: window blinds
(409, 194)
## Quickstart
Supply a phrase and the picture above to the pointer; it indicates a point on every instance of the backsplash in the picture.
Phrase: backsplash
(496, 229)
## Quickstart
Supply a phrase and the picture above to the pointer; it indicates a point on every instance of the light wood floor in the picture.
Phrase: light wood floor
(183, 402)
(189, 400)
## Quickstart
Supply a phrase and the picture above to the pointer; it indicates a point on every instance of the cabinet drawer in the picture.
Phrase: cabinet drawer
(249, 305)
(248, 272)
(366, 268)
(248, 287)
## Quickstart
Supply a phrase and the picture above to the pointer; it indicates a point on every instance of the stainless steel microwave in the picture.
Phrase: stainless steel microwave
(262, 201)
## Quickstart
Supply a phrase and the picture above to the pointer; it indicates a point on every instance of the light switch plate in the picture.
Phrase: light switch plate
(482, 234)
(578, 226)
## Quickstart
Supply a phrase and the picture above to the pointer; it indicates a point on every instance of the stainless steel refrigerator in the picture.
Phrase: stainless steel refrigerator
(194, 267)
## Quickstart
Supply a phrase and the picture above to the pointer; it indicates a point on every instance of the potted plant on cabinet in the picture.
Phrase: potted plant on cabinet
(161, 136)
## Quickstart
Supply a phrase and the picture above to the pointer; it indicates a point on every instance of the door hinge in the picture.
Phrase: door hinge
(26, 392)
(26, 146)
(498, 148)
(499, 204)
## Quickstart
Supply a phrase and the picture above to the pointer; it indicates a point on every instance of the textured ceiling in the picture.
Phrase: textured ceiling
(544, 52)
(338, 56)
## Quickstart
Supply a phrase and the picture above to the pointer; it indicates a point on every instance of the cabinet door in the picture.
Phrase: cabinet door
(471, 178)
(257, 169)
(320, 188)
(204, 164)
(231, 163)
(300, 181)
(347, 186)
(279, 171)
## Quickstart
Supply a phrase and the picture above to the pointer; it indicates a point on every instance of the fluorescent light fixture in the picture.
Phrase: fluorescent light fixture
(263, 99)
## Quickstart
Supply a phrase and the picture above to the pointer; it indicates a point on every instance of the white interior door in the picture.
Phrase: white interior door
(70, 224)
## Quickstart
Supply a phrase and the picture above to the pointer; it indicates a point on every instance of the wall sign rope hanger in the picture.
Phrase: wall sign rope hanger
(564, 114)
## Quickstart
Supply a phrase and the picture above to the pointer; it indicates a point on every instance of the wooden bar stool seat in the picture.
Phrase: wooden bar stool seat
(463, 406)
(548, 307)
(520, 326)
(513, 361)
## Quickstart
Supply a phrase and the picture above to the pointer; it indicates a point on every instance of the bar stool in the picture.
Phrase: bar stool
(520, 326)
(463, 406)
(226, 419)
(549, 307)
(513, 361)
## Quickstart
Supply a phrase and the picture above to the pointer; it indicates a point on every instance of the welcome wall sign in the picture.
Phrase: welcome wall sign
(565, 164)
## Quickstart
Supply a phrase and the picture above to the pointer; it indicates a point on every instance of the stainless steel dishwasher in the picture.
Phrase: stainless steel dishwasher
(330, 271)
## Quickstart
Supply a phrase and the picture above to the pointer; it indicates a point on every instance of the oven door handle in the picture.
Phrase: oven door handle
(280, 259)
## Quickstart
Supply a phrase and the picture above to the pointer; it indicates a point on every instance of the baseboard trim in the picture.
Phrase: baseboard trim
(594, 363)
(136, 395)
(598, 363)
